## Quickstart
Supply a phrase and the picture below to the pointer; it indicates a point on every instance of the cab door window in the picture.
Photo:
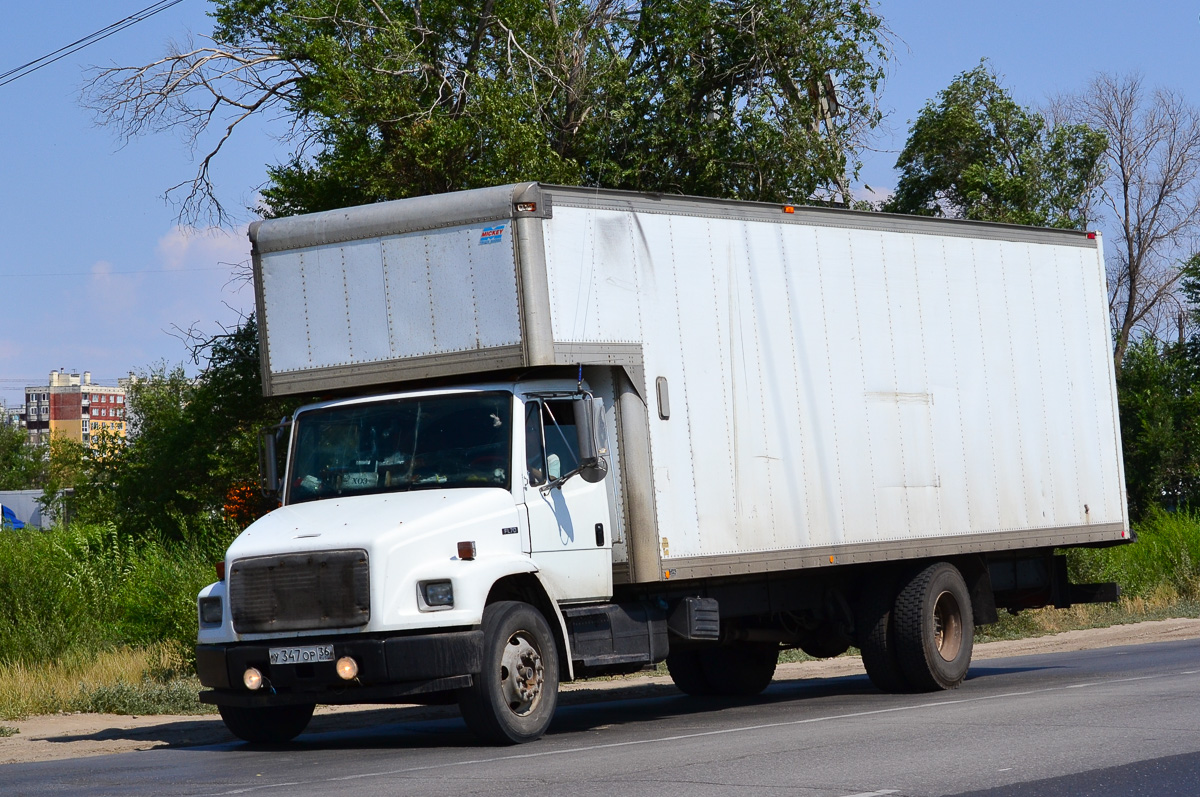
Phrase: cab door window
(562, 443)
(535, 449)
(551, 444)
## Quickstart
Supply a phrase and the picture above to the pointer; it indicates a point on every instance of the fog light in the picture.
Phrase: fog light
(437, 593)
(252, 678)
(210, 611)
(347, 668)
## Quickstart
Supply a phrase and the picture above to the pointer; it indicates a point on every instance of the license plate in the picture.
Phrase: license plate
(305, 654)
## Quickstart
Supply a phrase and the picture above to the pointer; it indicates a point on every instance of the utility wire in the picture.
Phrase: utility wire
(225, 268)
(62, 52)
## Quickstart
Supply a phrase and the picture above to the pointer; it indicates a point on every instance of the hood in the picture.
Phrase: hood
(371, 522)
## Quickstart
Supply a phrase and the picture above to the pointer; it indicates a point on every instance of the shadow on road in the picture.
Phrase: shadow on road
(580, 709)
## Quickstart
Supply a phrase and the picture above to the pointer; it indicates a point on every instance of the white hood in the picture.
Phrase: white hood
(408, 537)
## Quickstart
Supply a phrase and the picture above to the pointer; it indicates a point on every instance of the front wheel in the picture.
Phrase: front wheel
(513, 698)
(267, 725)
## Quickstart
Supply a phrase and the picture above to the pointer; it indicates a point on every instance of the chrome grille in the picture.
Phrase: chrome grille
(300, 591)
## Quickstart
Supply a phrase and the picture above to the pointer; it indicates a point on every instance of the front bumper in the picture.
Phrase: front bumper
(389, 669)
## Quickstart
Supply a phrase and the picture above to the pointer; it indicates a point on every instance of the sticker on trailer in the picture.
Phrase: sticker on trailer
(491, 235)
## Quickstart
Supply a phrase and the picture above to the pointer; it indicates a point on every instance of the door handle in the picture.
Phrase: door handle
(599, 535)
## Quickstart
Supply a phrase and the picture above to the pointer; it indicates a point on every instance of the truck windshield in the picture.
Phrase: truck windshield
(433, 442)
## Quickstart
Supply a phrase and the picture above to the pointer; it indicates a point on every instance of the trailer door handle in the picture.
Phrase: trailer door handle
(599, 535)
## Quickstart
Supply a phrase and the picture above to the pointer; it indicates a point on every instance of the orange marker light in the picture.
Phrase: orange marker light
(466, 551)
(830, 560)
(789, 209)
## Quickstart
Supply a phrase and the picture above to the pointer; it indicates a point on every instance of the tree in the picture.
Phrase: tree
(975, 153)
(1160, 425)
(21, 465)
(393, 98)
(1150, 195)
(193, 443)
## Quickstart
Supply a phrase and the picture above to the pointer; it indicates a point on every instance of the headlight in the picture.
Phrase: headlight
(436, 594)
(210, 611)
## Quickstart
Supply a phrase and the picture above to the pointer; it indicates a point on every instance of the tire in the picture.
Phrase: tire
(935, 632)
(876, 636)
(512, 701)
(269, 725)
(687, 671)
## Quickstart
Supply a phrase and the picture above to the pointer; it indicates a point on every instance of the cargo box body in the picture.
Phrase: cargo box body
(823, 387)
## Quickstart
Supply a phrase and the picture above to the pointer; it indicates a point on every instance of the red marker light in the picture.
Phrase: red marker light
(221, 570)
(1091, 236)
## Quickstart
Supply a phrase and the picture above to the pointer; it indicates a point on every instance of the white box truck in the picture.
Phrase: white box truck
(565, 432)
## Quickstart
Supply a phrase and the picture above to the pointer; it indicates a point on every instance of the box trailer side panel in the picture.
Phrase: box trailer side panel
(854, 393)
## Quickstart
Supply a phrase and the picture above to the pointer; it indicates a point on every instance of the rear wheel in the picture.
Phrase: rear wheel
(876, 636)
(267, 725)
(935, 631)
(513, 699)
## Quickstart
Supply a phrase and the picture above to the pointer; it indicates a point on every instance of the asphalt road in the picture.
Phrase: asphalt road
(1115, 721)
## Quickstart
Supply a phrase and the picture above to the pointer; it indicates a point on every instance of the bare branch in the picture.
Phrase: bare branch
(1151, 196)
(191, 90)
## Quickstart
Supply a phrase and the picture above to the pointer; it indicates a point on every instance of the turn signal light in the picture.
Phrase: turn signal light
(221, 570)
(466, 551)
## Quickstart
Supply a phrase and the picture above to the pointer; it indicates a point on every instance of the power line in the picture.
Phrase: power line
(29, 68)
(108, 273)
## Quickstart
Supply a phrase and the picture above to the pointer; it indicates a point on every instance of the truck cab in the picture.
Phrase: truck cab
(400, 517)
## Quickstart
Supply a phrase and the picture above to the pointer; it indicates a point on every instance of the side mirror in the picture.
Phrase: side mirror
(593, 443)
(268, 459)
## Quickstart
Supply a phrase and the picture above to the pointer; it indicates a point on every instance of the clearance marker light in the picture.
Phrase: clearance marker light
(1091, 236)
(466, 551)
(789, 209)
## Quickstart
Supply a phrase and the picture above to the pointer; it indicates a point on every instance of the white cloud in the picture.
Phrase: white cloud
(123, 314)
(185, 248)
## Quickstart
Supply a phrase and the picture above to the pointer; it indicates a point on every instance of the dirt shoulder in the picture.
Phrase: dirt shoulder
(60, 736)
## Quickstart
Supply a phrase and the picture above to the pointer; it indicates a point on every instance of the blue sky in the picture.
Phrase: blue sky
(95, 270)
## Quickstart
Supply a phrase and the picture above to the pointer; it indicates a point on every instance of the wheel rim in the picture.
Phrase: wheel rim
(947, 626)
(522, 674)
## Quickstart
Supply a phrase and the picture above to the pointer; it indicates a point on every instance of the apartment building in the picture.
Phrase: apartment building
(71, 406)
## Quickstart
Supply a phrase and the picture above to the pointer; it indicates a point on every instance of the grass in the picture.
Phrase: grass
(93, 621)
(145, 680)
(70, 593)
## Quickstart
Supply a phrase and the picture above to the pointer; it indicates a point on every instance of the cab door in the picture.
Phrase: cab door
(570, 528)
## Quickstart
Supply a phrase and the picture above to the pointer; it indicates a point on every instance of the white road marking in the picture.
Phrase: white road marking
(680, 737)
(873, 793)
